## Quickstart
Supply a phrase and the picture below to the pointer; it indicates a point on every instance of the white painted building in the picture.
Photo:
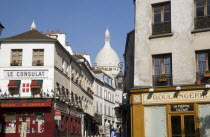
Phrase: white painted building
(170, 95)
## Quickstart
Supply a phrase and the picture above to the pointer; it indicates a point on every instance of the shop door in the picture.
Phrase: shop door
(24, 123)
(182, 125)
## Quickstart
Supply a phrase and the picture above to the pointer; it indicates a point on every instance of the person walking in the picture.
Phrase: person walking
(114, 133)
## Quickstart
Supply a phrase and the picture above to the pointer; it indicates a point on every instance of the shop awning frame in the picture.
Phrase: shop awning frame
(36, 83)
(14, 83)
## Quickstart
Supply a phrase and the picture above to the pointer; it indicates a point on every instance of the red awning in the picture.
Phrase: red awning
(36, 83)
(14, 84)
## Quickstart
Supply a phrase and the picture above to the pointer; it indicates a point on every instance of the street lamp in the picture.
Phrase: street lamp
(1, 28)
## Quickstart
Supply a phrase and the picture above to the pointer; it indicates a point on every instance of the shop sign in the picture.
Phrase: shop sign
(182, 107)
(57, 117)
(57, 112)
(25, 73)
(182, 96)
(34, 104)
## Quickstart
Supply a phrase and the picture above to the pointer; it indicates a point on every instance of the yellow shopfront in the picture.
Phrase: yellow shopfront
(170, 113)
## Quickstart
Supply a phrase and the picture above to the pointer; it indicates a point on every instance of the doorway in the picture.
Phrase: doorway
(24, 123)
(182, 120)
(183, 125)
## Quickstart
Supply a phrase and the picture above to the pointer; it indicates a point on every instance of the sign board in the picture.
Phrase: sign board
(182, 107)
(57, 112)
(33, 104)
(182, 96)
(57, 117)
(26, 73)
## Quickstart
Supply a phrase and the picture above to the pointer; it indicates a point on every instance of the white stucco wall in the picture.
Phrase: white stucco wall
(182, 45)
(27, 53)
(155, 121)
(204, 119)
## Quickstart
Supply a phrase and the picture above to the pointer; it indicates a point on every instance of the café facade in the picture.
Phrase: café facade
(34, 84)
(163, 112)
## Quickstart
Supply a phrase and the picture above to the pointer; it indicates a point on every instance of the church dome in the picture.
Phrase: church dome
(107, 57)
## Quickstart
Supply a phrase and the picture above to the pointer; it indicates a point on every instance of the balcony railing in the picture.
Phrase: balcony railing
(159, 81)
(202, 22)
(203, 77)
(161, 28)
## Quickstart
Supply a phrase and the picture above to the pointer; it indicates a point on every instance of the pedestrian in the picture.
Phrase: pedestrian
(114, 133)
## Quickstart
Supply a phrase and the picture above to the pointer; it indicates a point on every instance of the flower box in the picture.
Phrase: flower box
(162, 79)
(206, 74)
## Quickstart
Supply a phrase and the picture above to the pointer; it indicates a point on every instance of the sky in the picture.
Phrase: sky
(83, 21)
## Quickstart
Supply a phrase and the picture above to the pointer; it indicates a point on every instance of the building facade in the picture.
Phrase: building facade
(170, 96)
(38, 95)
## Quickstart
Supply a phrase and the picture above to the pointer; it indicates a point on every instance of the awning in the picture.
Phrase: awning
(14, 84)
(36, 83)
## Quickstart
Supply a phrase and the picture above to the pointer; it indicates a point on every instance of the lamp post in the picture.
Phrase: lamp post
(1, 28)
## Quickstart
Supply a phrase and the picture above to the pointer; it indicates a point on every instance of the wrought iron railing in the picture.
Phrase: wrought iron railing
(202, 22)
(203, 78)
(161, 28)
(159, 81)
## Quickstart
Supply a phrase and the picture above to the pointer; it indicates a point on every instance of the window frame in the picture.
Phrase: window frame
(38, 57)
(162, 15)
(17, 51)
(162, 57)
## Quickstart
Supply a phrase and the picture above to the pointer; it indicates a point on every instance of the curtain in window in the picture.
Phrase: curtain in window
(167, 64)
(157, 66)
(202, 62)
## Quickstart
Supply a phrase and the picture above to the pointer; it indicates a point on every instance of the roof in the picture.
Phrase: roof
(29, 35)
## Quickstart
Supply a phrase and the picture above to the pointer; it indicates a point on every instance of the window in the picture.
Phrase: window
(105, 94)
(100, 108)
(109, 111)
(16, 59)
(202, 14)
(104, 109)
(161, 18)
(38, 57)
(203, 62)
(101, 92)
(162, 65)
(162, 70)
(97, 90)
(109, 96)
(96, 106)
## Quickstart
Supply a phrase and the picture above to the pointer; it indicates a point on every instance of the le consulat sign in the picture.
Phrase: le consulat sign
(26, 73)
(182, 96)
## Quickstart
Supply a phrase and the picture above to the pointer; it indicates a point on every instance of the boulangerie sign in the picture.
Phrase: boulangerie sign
(182, 96)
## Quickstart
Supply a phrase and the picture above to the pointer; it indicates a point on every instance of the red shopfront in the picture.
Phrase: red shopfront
(27, 118)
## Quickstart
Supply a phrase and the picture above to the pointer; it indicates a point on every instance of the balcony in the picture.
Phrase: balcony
(160, 81)
(202, 22)
(161, 28)
(202, 78)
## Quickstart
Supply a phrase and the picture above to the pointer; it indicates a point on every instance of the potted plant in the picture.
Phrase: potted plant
(162, 78)
(198, 82)
(207, 73)
(14, 63)
(38, 63)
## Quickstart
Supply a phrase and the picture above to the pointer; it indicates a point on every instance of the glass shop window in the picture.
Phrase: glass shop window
(38, 123)
(10, 125)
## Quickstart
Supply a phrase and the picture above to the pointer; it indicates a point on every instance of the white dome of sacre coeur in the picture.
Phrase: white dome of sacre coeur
(107, 57)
